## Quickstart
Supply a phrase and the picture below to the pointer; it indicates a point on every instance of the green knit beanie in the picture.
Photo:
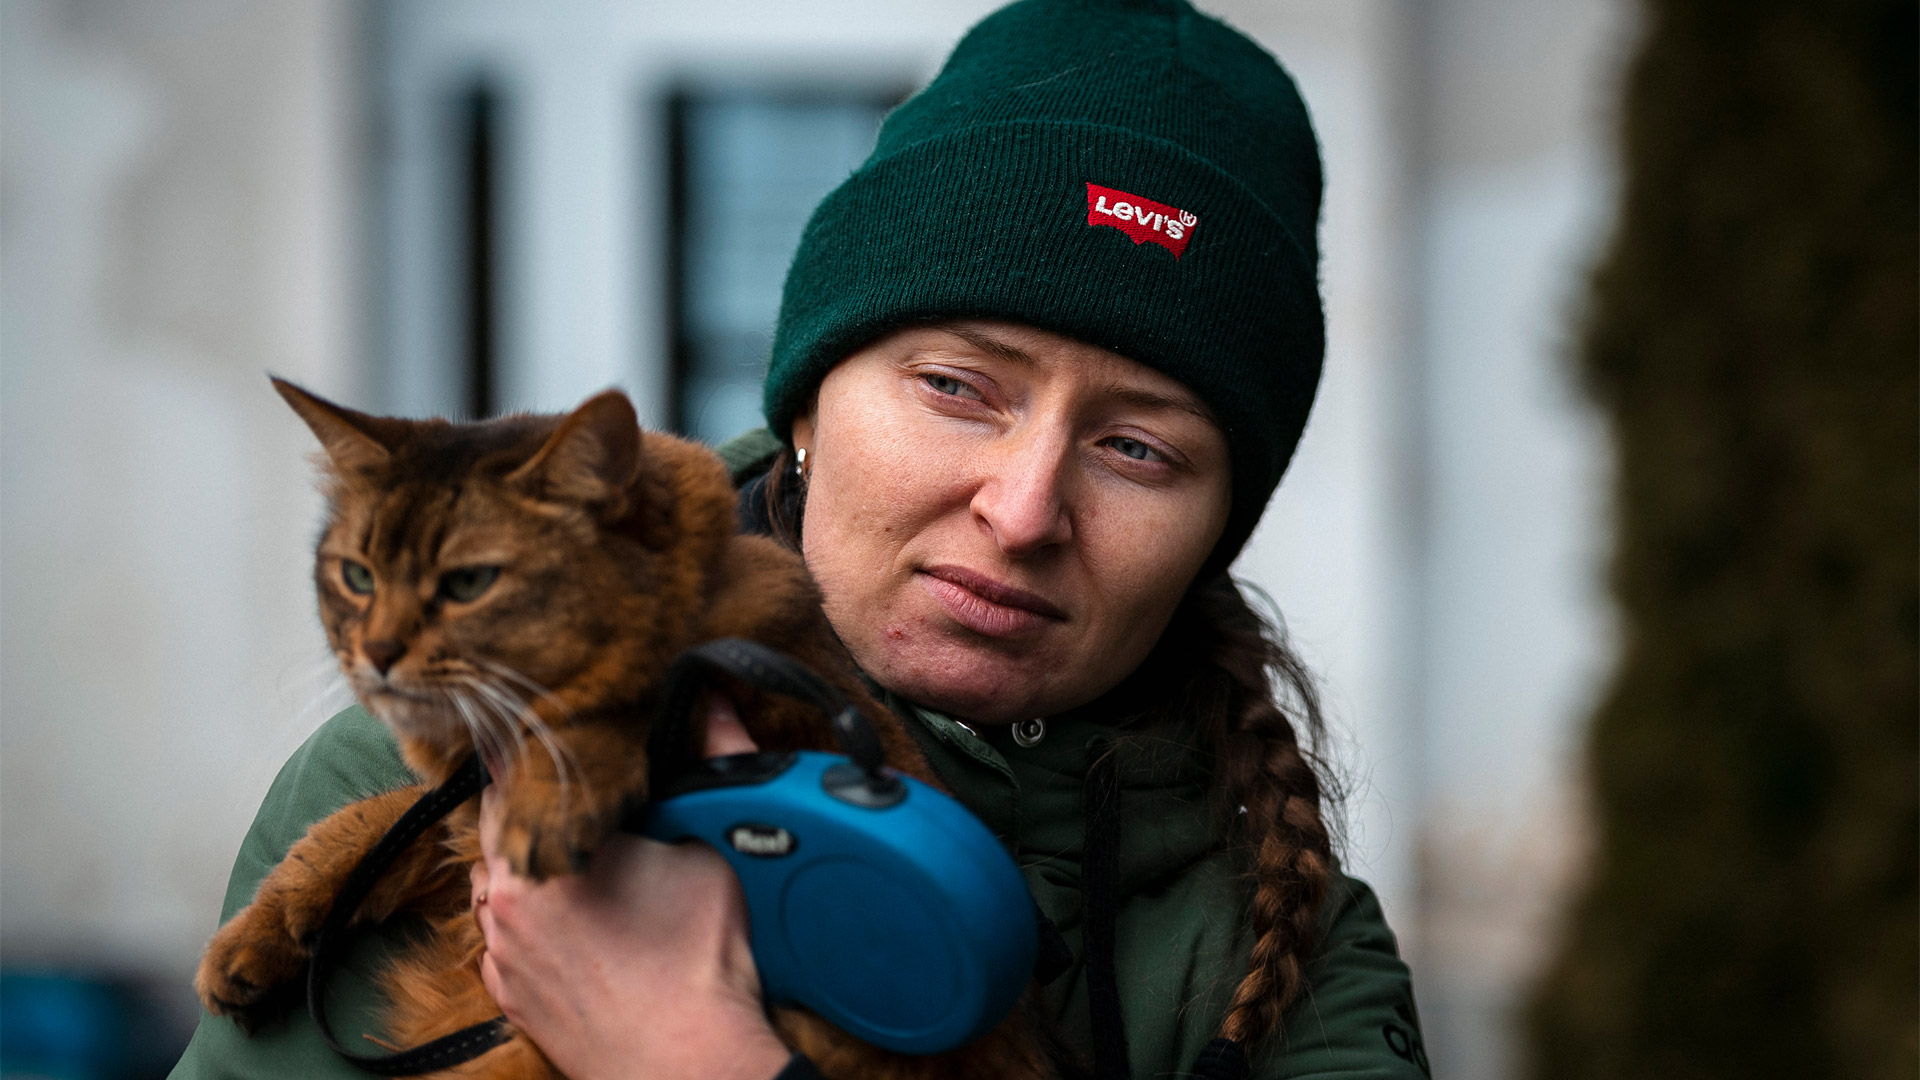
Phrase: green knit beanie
(1130, 173)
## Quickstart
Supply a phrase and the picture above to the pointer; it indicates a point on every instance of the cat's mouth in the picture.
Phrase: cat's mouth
(442, 719)
(413, 714)
(387, 693)
(387, 689)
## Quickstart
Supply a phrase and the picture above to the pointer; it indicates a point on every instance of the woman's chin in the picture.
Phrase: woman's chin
(909, 642)
(967, 680)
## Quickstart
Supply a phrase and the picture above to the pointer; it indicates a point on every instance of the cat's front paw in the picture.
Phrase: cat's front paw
(543, 834)
(249, 968)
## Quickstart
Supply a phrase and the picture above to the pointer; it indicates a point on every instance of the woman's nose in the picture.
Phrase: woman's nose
(1022, 497)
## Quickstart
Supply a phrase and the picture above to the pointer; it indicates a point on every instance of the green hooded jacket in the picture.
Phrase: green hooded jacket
(1180, 946)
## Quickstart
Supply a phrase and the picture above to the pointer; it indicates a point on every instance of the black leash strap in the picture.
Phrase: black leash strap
(1100, 873)
(671, 750)
(447, 1050)
(1220, 1059)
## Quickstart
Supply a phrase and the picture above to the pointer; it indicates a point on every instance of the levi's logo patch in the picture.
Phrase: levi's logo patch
(1141, 219)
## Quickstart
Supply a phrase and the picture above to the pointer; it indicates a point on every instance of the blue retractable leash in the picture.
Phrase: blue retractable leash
(877, 902)
(874, 900)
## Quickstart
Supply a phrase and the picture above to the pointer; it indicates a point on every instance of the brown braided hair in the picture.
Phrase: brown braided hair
(1261, 764)
(1225, 670)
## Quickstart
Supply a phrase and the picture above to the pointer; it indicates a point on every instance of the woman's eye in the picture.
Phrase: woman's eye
(1134, 448)
(947, 384)
(359, 579)
(468, 582)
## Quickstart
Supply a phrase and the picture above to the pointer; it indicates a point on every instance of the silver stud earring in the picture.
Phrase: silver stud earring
(800, 463)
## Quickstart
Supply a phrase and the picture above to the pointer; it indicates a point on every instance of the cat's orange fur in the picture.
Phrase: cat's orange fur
(614, 552)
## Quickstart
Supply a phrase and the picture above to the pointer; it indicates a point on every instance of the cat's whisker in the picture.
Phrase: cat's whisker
(501, 722)
(464, 708)
(538, 691)
(319, 694)
(330, 693)
(567, 768)
(503, 715)
(534, 722)
(500, 704)
(485, 739)
(506, 714)
(317, 668)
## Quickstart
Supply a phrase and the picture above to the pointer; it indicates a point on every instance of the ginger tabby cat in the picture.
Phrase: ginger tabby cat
(519, 587)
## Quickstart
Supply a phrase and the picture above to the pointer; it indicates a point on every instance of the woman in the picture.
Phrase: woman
(1040, 364)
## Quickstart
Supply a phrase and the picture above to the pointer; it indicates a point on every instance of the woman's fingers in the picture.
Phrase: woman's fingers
(725, 733)
(478, 876)
(650, 929)
(490, 978)
(490, 811)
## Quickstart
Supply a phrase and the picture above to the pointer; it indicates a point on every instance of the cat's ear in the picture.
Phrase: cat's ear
(352, 440)
(591, 458)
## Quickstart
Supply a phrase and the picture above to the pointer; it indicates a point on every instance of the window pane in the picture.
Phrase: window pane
(750, 167)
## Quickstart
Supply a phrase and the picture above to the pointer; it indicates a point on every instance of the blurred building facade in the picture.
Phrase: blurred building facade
(433, 206)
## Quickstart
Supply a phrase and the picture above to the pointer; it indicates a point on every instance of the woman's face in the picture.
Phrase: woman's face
(1001, 519)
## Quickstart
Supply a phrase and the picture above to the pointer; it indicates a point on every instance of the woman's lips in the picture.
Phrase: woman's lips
(986, 606)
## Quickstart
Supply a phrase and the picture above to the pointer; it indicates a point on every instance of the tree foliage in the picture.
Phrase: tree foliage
(1751, 910)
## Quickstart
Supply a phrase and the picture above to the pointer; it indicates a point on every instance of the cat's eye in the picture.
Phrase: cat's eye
(467, 583)
(358, 578)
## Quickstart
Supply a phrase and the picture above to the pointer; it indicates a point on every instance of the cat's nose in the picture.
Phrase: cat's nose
(382, 654)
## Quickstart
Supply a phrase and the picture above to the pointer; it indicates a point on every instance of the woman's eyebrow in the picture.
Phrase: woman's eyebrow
(1153, 399)
(988, 344)
(1130, 395)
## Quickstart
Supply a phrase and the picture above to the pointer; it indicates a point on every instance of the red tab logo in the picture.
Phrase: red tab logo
(1141, 219)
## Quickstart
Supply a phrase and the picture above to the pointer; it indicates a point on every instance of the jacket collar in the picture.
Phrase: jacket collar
(1031, 797)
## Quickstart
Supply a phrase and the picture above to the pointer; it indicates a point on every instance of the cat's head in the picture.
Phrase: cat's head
(480, 580)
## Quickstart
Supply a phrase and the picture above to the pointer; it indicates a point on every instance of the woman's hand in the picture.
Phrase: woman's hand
(639, 967)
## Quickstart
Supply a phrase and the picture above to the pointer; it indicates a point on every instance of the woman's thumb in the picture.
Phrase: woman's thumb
(725, 733)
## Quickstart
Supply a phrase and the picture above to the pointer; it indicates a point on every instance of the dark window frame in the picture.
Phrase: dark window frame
(679, 104)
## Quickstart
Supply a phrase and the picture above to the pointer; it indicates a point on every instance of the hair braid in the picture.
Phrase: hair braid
(1261, 766)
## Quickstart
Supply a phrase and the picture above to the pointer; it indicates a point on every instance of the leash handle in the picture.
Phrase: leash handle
(670, 750)
(329, 943)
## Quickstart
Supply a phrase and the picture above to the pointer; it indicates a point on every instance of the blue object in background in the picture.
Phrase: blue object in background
(902, 921)
(64, 1026)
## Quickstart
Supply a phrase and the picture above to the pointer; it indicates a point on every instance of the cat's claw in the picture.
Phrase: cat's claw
(537, 854)
(540, 843)
(247, 969)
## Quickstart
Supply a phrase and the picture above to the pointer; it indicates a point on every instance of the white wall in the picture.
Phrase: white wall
(178, 220)
(1515, 195)
(1328, 550)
